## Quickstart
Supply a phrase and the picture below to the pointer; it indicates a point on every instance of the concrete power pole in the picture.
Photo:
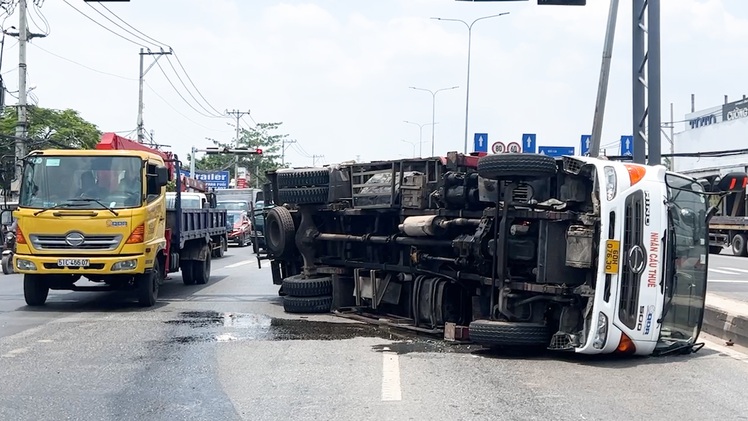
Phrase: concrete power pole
(158, 54)
(283, 150)
(238, 115)
(315, 158)
(602, 89)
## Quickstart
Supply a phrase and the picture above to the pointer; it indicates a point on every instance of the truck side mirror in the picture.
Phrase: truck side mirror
(162, 176)
(733, 182)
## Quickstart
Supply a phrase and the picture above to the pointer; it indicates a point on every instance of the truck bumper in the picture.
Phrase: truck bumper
(82, 265)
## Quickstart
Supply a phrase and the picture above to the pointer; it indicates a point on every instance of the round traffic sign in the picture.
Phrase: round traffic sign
(498, 147)
(514, 147)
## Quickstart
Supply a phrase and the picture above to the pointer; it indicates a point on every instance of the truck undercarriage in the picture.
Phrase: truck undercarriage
(504, 244)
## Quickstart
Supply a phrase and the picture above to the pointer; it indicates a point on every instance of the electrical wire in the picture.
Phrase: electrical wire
(120, 26)
(188, 89)
(96, 22)
(193, 83)
(177, 111)
(180, 94)
(82, 65)
(153, 40)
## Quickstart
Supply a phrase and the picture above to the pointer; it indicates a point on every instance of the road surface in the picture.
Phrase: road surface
(728, 275)
(226, 351)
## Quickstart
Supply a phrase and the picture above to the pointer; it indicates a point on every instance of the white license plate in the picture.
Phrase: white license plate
(73, 262)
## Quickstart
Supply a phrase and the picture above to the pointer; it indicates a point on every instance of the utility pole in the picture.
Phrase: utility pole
(158, 54)
(283, 150)
(602, 89)
(238, 115)
(24, 36)
(314, 159)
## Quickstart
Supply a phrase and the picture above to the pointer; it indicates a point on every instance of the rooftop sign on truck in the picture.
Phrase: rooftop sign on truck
(573, 254)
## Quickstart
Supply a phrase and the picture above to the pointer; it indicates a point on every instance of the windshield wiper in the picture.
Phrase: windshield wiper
(85, 199)
(57, 206)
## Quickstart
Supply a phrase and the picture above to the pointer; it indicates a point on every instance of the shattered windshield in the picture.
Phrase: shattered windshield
(81, 182)
(686, 275)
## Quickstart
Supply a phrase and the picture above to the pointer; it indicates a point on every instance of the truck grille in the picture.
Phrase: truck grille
(66, 242)
(633, 243)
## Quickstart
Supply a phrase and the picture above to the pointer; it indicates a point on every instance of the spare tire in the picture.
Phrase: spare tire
(509, 334)
(280, 231)
(298, 286)
(306, 177)
(516, 166)
(321, 304)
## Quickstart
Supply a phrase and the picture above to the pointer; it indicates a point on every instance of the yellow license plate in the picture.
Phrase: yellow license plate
(612, 256)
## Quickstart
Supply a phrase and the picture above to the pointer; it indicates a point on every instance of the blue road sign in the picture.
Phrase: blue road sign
(556, 151)
(586, 140)
(627, 145)
(213, 179)
(480, 142)
(529, 142)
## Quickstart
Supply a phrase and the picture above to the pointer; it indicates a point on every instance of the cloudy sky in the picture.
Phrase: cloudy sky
(337, 73)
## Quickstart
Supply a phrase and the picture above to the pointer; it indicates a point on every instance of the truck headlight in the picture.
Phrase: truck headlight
(611, 182)
(125, 265)
(601, 333)
(23, 264)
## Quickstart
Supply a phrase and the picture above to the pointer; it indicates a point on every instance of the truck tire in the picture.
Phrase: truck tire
(297, 286)
(7, 264)
(185, 266)
(509, 334)
(35, 290)
(280, 231)
(518, 165)
(320, 304)
(304, 195)
(219, 252)
(307, 177)
(147, 285)
(201, 270)
(738, 245)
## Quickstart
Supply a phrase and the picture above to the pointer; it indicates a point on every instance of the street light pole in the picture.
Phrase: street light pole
(470, 43)
(420, 134)
(433, 109)
(412, 144)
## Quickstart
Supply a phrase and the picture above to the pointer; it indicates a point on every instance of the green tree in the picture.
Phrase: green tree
(264, 136)
(49, 128)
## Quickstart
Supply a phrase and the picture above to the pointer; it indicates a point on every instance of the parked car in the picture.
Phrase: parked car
(239, 227)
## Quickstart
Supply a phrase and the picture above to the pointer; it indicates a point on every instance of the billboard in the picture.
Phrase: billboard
(213, 179)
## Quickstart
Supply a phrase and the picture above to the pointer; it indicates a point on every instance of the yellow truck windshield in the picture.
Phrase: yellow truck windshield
(62, 181)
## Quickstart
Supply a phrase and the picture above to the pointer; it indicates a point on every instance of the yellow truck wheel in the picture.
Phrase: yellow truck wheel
(35, 289)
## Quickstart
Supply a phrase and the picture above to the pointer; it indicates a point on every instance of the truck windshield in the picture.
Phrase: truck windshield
(686, 273)
(81, 182)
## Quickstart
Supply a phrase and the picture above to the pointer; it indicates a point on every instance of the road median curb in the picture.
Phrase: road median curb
(726, 319)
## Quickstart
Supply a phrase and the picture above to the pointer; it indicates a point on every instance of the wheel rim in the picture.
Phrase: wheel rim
(738, 244)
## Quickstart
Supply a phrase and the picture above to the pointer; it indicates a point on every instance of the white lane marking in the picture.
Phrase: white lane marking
(390, 376)
(15, 352)
(738, 270)
(46, 341)
(237, 264)
(728, 281)
(726, 272)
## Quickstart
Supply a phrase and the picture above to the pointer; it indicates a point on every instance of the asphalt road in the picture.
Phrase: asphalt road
(226, 351)
(728, 275)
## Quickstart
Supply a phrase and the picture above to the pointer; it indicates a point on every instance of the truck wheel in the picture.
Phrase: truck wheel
(297, 286)
(321, 304)
(307, 177)
(7, 264)
(35, 290)
(280, 231)
(510, 334)
(201, 270)
(147, 285)
(304, 195)
(738, 245)
(218, 252)
(513, 166)
(186, 267)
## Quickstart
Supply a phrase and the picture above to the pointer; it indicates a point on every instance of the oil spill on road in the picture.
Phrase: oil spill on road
(425, 346)
(194, 327)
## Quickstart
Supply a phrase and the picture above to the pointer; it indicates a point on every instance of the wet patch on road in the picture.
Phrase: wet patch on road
(193, 327)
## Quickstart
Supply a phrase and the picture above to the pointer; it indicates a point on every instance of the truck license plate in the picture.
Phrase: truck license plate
(73, 262)
(612, 256)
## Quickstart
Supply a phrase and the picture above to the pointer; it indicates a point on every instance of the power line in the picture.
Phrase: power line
(193, 84)
(155, 41)
(188, 89)
(180, 94)
(177, 111)
(96, 22)
(83, 65)
(118, 25)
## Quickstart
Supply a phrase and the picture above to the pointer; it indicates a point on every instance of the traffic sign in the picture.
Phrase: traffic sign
(480, 142)
(556, 151)
(498, 147)
(514, 147)
(529, 142)
(586, 140)
(212, 179)
(627, 145)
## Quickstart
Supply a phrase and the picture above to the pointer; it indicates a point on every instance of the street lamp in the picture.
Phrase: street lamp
(433, 109)
(420, 134)
(413, 144)
(470, 42)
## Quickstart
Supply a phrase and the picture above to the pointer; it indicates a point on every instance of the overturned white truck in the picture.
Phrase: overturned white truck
(579, 254)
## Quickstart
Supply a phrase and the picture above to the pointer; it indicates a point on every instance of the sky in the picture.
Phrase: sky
(337, 74)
